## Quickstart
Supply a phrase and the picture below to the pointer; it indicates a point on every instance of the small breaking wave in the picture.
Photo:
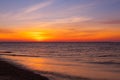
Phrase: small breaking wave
(105, 63)
(6, 52)
(10, 53)
(109, 56)
(60, 76)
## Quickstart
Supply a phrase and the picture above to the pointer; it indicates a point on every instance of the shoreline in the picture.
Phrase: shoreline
(8, 71)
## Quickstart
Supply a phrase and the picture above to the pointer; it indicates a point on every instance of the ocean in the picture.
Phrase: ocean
(66, 60)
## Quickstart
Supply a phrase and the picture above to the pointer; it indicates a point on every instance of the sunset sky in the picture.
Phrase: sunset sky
(60, 20)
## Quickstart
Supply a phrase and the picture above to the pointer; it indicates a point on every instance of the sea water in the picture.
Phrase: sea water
(67, 61)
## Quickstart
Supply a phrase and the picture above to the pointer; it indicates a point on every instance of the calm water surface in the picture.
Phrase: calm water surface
(67, 61)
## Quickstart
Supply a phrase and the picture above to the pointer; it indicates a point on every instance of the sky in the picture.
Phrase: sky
(60, 20)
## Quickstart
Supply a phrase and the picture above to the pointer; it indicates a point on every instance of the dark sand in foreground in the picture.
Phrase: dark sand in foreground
(9, 71)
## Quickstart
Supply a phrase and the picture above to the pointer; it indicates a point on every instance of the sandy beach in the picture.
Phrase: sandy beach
(9, 71)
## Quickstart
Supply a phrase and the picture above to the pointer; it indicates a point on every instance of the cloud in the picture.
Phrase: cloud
(24, 14)
(37, 7)
(111, 21)
(72, 20)
(30, 14)
(5, 31)
(61, 21)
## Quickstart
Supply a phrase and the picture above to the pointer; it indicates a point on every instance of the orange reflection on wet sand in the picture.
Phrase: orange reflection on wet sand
(64, 67)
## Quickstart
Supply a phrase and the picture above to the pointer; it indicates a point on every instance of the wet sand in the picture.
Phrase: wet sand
(8, 71)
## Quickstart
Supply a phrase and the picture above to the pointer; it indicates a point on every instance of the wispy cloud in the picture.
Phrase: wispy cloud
(30, 12)
(71, 20)
(33, 15)
(117, 21)
(37, 7)
(24, 14)
(5, 31)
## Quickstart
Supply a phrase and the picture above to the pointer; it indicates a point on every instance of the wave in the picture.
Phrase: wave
(105, 63)
(10, 53)
(61, 76)
(6, 52)
(109, 56)
(19, 55)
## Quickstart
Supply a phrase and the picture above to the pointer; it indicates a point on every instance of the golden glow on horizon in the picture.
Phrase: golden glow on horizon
(65, 33)
(38, 36)
(54, 35)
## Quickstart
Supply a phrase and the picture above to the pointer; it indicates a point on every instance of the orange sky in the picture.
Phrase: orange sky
(50, 20)
(60, 35)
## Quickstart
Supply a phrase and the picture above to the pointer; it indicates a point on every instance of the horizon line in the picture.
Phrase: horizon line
(60, 42)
